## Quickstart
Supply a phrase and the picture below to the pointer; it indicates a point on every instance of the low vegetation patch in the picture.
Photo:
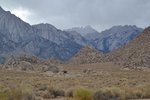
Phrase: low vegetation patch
(113, 93)
(15, 94)
(107, 93)
(82, 94)
(3, 96)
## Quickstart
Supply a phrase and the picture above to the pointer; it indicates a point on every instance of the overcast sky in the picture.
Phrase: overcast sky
(100, 14)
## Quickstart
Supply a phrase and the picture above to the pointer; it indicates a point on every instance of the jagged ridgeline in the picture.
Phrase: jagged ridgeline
(135, 54)
(46, 41)
(43, 40)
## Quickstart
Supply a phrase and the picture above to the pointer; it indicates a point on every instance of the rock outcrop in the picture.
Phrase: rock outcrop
(29, 63)
(136, 54)
(87, 55)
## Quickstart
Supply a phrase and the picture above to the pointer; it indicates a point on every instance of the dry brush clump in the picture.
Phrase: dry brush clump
(146, 91)
(106, 93)
(15, 94)
(116, 93)
(82, 94)
(111, 93)
(46, 92)
(25, 92)
(3, 96)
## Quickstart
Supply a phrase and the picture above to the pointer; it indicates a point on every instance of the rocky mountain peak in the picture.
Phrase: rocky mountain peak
(116, 37)
(87, 32)
(147, 30)
(46, 41)
(16, 28)
(83, 30)
(45, 26)
(90, 28)
(2, 10)
(43, 40)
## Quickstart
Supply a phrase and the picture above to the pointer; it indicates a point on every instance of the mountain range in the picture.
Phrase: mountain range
(134, 55)
(116, 37)
(19, 37)
(110, 39)
(46, 41)
(87, 32)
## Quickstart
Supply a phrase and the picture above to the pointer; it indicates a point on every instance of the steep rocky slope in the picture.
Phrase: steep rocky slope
(136, 54)
(78, 38)
(15, 27)
(43, 40)
(46, 41)
(86, 55)
(109, 39)
(116, 37)
(61, 38)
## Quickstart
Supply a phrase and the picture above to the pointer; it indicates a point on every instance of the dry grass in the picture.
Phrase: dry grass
(125, 83)
(122, 93)
(14, 94)
(82, 94)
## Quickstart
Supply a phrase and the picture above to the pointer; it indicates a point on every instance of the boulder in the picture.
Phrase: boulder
(25, 66)
(51, 68)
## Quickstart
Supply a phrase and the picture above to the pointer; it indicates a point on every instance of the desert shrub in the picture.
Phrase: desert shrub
(112, 93)
(60, 93)
(56, 92)
(69, 93)
(82, 94)
(100, 95)
(115, 93)
(134, 93)
(45, 92)
(49, 92)
(3, 96)
(27, 97)
(146, 91)
(15, 94)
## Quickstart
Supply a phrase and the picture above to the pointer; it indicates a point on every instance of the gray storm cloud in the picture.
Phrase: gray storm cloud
(100, 14)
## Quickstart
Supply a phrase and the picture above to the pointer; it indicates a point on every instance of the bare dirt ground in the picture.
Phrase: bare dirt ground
(91, 76)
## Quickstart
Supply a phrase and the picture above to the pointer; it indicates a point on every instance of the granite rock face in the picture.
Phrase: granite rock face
(29, 63)
(87, 55)
(109, 39)
(87, 32)
(116, 37)
(46, 41)
(43, 40)
(135, 54)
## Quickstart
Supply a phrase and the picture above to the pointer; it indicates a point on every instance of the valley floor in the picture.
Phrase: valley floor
(93, 77)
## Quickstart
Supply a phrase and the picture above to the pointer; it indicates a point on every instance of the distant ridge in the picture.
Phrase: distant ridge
(109, 39)
(116, 37)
